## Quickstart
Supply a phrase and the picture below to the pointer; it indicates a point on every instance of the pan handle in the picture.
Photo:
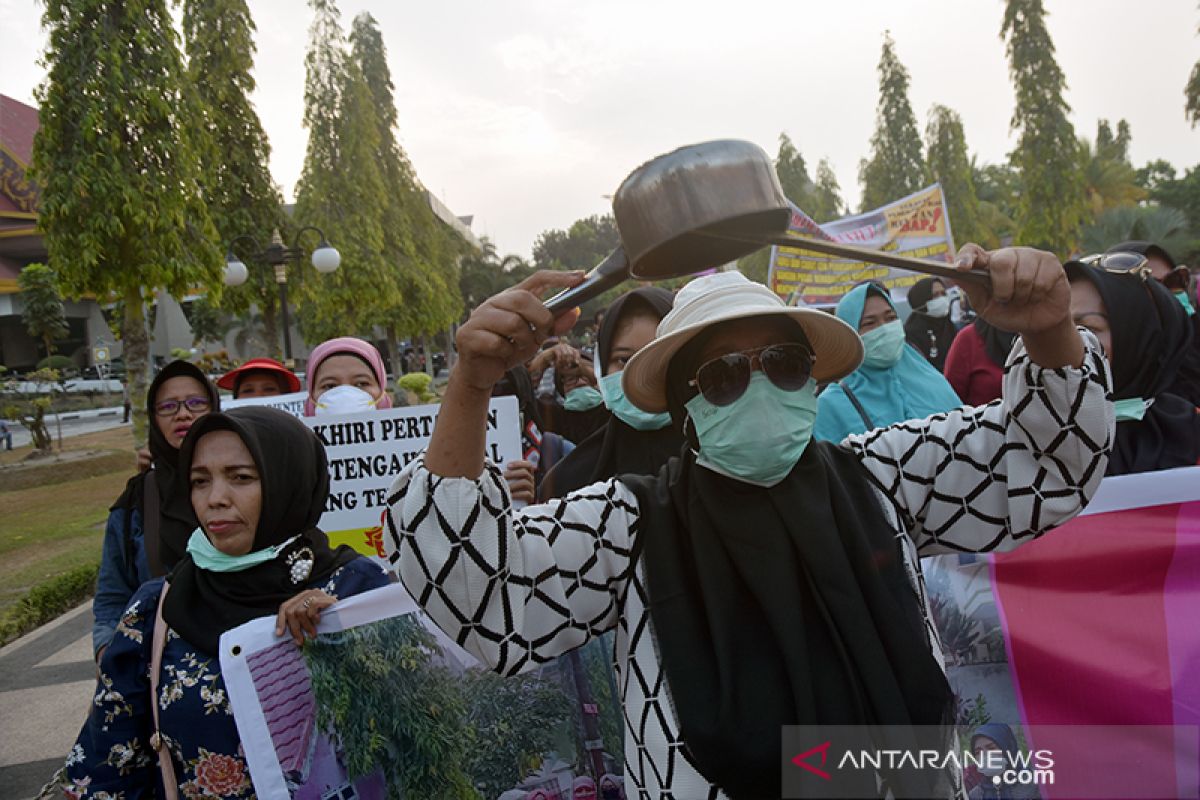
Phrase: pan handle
(879, 257)
(612, 271)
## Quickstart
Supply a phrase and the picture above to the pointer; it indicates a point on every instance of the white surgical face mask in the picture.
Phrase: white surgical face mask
(938, 307)
(344, 399)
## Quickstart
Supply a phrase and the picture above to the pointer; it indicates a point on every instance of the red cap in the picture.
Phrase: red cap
(230, 379)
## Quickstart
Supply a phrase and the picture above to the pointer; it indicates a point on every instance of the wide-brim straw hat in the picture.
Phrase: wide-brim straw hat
(726, 296)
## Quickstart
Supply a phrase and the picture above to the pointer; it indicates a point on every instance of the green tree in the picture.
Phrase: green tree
(116, 159)
(1192, 94)
(391, 705)
(582, 246)
(1166, 188)
(793, 173)
(236, 180)
(950, 165)
(827, 204)
(420, 250)
(1166, 227)
(1052, 203)
(208, 322)
(998, 187)
(43, 312)
(520, 720)
(341, 190)
(1110, 181)
(895, 168)
(483, 273)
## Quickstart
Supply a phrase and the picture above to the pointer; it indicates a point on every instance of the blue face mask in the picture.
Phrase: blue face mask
(583, 398)
(207, 556)
(759, 437)
(884, 345)
(627, 412)
(1186, 301)
(1132, 409)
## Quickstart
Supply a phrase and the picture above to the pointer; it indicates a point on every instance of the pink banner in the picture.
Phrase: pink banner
(1094, 624)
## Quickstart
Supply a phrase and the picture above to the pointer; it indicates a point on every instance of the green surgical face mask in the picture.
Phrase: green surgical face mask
(583, 398)
(759, 437)
(627, 412)
(884, 345)
(1132, 409)
(1186, 302)
(207, 556)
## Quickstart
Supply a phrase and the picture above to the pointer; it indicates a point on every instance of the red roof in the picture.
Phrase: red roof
(18, 124)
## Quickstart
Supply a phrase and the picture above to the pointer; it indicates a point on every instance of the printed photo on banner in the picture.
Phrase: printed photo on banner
(382, 704)
(1052, 646)
(367, 450)
(292, 403)
(914, 226)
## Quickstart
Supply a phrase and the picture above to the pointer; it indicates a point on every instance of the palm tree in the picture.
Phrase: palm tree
(1108, 182)
(1166, 227)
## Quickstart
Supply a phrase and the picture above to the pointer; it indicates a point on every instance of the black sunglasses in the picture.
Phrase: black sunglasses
(724, 379)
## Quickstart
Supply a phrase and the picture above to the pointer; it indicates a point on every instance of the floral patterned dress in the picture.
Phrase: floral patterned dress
(112, 758)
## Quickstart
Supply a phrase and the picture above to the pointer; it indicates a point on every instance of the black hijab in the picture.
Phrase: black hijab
(1151, 338)
(932, 336)
(787, 605)
(294, 476)
(176, 520)
(996, 343)
(617, 448)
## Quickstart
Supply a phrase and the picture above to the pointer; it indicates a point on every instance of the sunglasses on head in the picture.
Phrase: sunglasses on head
(1121, 262)
(724, 379)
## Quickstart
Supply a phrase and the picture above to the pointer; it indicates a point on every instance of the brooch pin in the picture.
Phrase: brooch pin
(300, 564)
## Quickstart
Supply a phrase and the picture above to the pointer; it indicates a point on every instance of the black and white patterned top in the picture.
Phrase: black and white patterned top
(519, 588)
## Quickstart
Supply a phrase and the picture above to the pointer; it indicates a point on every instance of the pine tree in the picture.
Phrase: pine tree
(43, 312)
(793, 174)
(950, 165)
(417, 245)
(827, 204)
(896, 167)
(1051, 205)
(236, 180)
(341, 190)
(115, 156)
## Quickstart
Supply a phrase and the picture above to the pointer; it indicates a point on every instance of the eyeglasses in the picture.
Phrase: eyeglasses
(1121, 262)
(169, 408)
(723, 380)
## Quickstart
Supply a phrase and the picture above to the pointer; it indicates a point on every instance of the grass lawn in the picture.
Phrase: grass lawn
(54, 512)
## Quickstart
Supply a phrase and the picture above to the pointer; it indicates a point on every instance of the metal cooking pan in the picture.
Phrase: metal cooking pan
(702, 206)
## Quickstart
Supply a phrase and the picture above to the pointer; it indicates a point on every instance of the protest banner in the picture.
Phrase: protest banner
(915, 226)
(367, 450)
(383, 704)
(292, 403)
(1085, 642)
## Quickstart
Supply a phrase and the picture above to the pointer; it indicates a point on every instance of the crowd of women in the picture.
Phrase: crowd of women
(741, 490)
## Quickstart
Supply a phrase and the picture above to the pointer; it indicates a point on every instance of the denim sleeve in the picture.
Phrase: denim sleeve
(116, 584)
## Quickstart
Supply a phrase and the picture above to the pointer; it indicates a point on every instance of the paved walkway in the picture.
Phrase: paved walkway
(46, 682)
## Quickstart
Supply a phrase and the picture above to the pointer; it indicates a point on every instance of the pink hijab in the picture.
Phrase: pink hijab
(345, 345)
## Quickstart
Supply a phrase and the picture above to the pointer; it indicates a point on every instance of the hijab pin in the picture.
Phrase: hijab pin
(300, 564)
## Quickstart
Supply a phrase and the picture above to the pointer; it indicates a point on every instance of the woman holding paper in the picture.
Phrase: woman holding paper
(761, 579)
(148, 525)
(258, 483)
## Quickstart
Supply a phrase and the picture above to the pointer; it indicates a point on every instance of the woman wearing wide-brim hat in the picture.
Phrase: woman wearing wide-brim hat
(761, 579)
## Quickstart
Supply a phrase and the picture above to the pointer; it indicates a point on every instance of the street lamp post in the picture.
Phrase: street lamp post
(325, 258)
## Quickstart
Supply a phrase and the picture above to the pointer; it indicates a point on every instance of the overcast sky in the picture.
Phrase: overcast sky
(526, 113)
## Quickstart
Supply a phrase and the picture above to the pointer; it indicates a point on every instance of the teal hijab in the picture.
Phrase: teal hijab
(909, 389)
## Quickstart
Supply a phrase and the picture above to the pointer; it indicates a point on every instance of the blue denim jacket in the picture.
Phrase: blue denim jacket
(121, 573)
